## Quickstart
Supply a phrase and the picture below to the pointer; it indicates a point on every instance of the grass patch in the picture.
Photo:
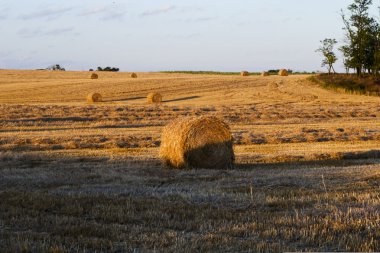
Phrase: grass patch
(257, 210)
(348, 83)
(266, 208)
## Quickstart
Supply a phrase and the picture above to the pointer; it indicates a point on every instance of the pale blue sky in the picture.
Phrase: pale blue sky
(153, 35)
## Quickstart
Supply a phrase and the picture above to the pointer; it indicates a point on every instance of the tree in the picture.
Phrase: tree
(358, 33)
(55, 67)
(108, 69)
(372, 52)
(347, 60)
(327, 50)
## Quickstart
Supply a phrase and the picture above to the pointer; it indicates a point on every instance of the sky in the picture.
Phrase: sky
(157, 35)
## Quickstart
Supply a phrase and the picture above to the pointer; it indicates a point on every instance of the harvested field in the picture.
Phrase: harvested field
(85, 176)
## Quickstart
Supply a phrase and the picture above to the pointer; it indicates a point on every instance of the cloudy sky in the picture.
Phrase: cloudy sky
(153, 35)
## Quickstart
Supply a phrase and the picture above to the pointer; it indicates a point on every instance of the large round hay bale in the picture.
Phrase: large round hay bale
(244, 73)
(154, 97)
(264, 73)
(94, 76)
(197, 142)
(94, 97)
(133, 75)
(283, 72)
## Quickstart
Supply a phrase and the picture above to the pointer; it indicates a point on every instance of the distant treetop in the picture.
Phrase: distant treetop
(108, 69)
(56, 67)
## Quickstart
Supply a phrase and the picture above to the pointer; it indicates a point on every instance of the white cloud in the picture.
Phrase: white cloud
(114, 15)
(4, 13)
(200, 19)
(159, 10)
(107, 13)
(38, 32)
(59, 31)
(93, 11)
(49, 13)
(186, 9)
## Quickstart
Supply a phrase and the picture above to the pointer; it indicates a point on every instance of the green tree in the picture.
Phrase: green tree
(347, 60)
(55, 67)
(108, 69)
(373, 48)
(358, 33)
(327, 50)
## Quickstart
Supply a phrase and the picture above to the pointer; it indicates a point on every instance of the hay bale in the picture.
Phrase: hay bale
(198, 142)
(94, 76)
(94, 97)
(244, 73)
(154, 98)
(264, 73)
(133, 75)
(283, 72)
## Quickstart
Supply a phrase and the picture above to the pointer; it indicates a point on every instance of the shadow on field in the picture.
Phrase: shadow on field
(84, 128)
(305, 164)
(11, 158)
(370, 154)
(346, 159)
(331, 160)
(51, 119)
(181, 99)
(124, 99)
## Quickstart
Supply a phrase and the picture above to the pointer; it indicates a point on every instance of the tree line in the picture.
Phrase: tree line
(106, 69)
(361, 49)
(57, 67)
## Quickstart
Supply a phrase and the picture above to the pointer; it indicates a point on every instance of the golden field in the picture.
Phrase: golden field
(83, 177)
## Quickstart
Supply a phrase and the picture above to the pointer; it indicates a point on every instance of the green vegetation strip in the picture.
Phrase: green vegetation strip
(348, 83)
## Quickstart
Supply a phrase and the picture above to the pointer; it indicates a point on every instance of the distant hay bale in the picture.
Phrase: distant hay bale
(94, 76)
(244, 73)
(283, 72)
(133, 75)
(197, 142)
(94, 97)
(154, 98)
(264, 73)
